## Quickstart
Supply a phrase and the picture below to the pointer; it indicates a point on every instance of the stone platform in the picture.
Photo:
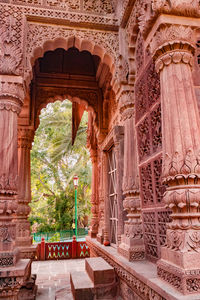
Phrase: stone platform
(138, 280)
(53, 278)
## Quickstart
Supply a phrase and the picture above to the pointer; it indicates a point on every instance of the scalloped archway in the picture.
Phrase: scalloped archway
(43, 38)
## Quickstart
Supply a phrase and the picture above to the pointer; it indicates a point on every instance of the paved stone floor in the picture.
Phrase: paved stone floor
(53, 278)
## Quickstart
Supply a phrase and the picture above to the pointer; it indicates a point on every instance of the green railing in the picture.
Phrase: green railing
(58, 236)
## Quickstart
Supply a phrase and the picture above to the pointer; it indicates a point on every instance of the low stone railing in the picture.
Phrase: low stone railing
(62, 250)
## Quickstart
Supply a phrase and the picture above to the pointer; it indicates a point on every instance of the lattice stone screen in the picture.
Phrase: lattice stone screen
(113, 209)
(149, 139)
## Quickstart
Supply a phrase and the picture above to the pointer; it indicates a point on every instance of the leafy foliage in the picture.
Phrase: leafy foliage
(53, 164)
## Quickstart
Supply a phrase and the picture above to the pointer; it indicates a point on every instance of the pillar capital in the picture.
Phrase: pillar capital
(11, 93)
(25, 137)
(173, 44)
(187, 8)
(126, 103)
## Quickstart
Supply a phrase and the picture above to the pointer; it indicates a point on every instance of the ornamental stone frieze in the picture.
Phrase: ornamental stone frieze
(104, 7)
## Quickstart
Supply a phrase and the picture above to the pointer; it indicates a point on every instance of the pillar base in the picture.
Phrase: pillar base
(13, 278)
(24, 242)
(28, 252)
(132, 253)
(29, 289)
(92, 234)
(181, 270)
(100, 238)
(8, 258)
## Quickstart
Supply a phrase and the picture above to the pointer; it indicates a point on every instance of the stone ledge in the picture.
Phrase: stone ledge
(18, 270)
(140, 276)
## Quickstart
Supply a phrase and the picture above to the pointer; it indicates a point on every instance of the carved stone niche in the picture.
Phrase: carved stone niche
(114, 142)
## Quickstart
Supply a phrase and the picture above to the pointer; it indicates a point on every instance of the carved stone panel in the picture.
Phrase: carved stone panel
(149, 140)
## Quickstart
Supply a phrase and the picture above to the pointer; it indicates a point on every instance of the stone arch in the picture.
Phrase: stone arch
(62, 97)
(42, 38)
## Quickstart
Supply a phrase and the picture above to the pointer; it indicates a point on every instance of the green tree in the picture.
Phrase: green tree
(54, 161)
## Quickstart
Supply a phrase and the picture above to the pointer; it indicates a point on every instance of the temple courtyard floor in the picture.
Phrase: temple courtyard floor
(53, 278)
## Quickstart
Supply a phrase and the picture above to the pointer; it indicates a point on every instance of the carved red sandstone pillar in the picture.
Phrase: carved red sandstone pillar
(118, 138)
(11, 99)
(180, 259)
(23, 234)
(94, 198)
(132, 243)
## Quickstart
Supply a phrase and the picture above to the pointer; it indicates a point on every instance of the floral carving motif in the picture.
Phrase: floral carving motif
(8, 185)
(186, 281)
(147, 91)
(10, 282)
(186, 241)
(159, 188)
(139, 56)
(10, 53)
(153, 85)
(7, 232)
(25, 138)
(170, 278)
(179, 7)
(193, 285)
(140, 96)
(144, 139)
(99, 6)
(11, 94)
(174, 57)
(146, 185)
(172, 35)
(156, 129)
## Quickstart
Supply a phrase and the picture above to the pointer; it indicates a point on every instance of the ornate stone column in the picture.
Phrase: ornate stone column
(118, 138)
(132, 243)
(23, 234)
(173, 49)
(94, 198)
(11, 99)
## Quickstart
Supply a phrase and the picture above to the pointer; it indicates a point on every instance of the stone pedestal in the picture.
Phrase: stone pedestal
(132, 243)
(13, 278)
(179, 263)
(23, 233)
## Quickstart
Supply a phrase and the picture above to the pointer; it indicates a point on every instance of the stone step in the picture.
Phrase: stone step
(81, 285)
(99, 271)
(63, 294)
